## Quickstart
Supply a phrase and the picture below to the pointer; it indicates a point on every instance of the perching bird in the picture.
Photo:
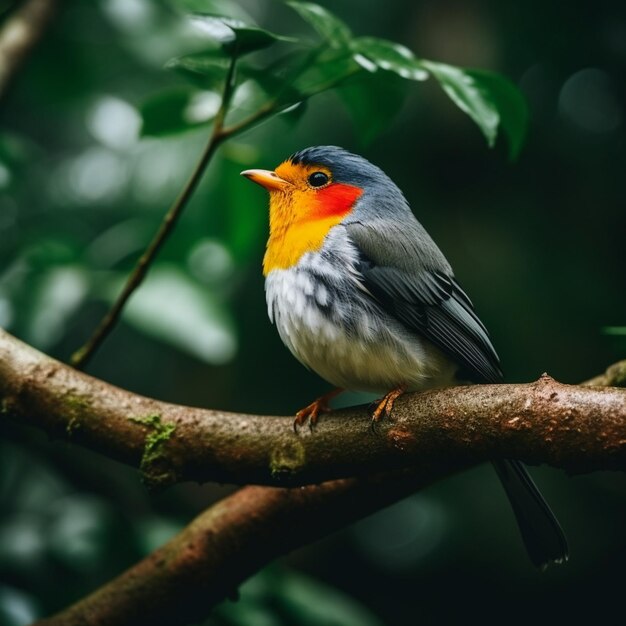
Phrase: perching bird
(362, 295)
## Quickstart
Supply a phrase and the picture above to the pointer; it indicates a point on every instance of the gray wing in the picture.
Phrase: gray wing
(410, 278)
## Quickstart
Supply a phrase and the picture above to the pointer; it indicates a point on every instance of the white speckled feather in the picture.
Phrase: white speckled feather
(333, 325)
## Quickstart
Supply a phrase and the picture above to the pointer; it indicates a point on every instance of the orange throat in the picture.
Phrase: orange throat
(300, 221)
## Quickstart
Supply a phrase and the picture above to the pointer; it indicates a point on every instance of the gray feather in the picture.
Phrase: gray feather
(407, 274)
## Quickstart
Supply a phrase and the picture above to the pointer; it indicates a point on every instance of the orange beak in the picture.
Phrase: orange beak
(270, 180)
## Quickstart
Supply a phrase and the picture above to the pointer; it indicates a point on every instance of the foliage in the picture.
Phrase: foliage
(306, 68)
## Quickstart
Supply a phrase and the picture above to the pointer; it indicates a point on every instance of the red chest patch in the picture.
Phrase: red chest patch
(336, 200)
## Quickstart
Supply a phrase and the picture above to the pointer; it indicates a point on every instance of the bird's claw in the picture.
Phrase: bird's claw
(384, 406)
(310, 414)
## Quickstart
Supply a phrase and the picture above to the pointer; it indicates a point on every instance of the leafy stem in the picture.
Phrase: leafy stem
(267, 110)
(81, 357)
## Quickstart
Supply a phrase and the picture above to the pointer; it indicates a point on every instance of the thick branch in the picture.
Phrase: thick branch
(183, 580)
(20, 34)
(436, 433)
(573, 427)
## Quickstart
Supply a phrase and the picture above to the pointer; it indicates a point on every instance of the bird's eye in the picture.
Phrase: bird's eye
(318, 179)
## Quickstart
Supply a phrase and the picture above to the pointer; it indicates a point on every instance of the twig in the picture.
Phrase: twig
(574, 427)
(220, 134)
(614, 376)
(80, 358)
(20, 34)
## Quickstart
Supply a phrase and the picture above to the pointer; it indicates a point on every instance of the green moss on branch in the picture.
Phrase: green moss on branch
(155, 469)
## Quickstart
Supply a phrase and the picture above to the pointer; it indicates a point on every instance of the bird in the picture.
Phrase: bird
(362, 295)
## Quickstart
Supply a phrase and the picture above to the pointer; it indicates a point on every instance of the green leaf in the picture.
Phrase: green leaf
(250, 39)
(206, 69)
(226, 8)
(327, 25)
(293, 114)
(466, 94)
(277, 78)
(327, 69)
(510, 103)
(489, 99)
(389, 56)
(269, 82)
(234, 36)
(217, 27)
(178, 110)
(373, 115)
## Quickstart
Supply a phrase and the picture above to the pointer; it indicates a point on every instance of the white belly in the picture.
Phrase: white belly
(343, 336)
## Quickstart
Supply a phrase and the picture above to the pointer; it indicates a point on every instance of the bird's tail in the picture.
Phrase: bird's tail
(541, 531)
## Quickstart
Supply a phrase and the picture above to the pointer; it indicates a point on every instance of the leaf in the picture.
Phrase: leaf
(269, 82)
(463, 90)
(293, 114)
(250, 39)
(226, 8)
(327, 25)
(299, 75)
(218, 27)
(276, 79)
(327, 69)
(489, 99)
(178, 110)
(510, 103)
(390, 56)
(206, 69)
(234, 36)
(372, 115)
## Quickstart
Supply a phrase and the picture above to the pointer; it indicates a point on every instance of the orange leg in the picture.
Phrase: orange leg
(311, 412)
(385, 405)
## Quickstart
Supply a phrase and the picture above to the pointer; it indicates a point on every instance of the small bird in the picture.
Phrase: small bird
(362, 295)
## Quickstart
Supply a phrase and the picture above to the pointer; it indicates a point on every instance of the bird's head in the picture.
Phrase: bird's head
(312, 191)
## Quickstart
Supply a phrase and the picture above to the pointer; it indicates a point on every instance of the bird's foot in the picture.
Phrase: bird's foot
(385, 404)
(311, 412)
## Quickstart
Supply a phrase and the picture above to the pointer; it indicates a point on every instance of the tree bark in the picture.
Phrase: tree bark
(573, 427)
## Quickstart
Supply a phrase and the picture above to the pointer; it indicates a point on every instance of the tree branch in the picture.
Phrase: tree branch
(573, 427)
(614, 376)
(436, 433)
(20, 34)
(182, 581)
(204, 564)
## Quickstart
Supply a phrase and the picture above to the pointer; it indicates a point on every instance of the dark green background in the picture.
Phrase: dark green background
(538, 244)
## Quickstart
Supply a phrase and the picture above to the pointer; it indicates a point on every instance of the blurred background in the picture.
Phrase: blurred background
(538, 244)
